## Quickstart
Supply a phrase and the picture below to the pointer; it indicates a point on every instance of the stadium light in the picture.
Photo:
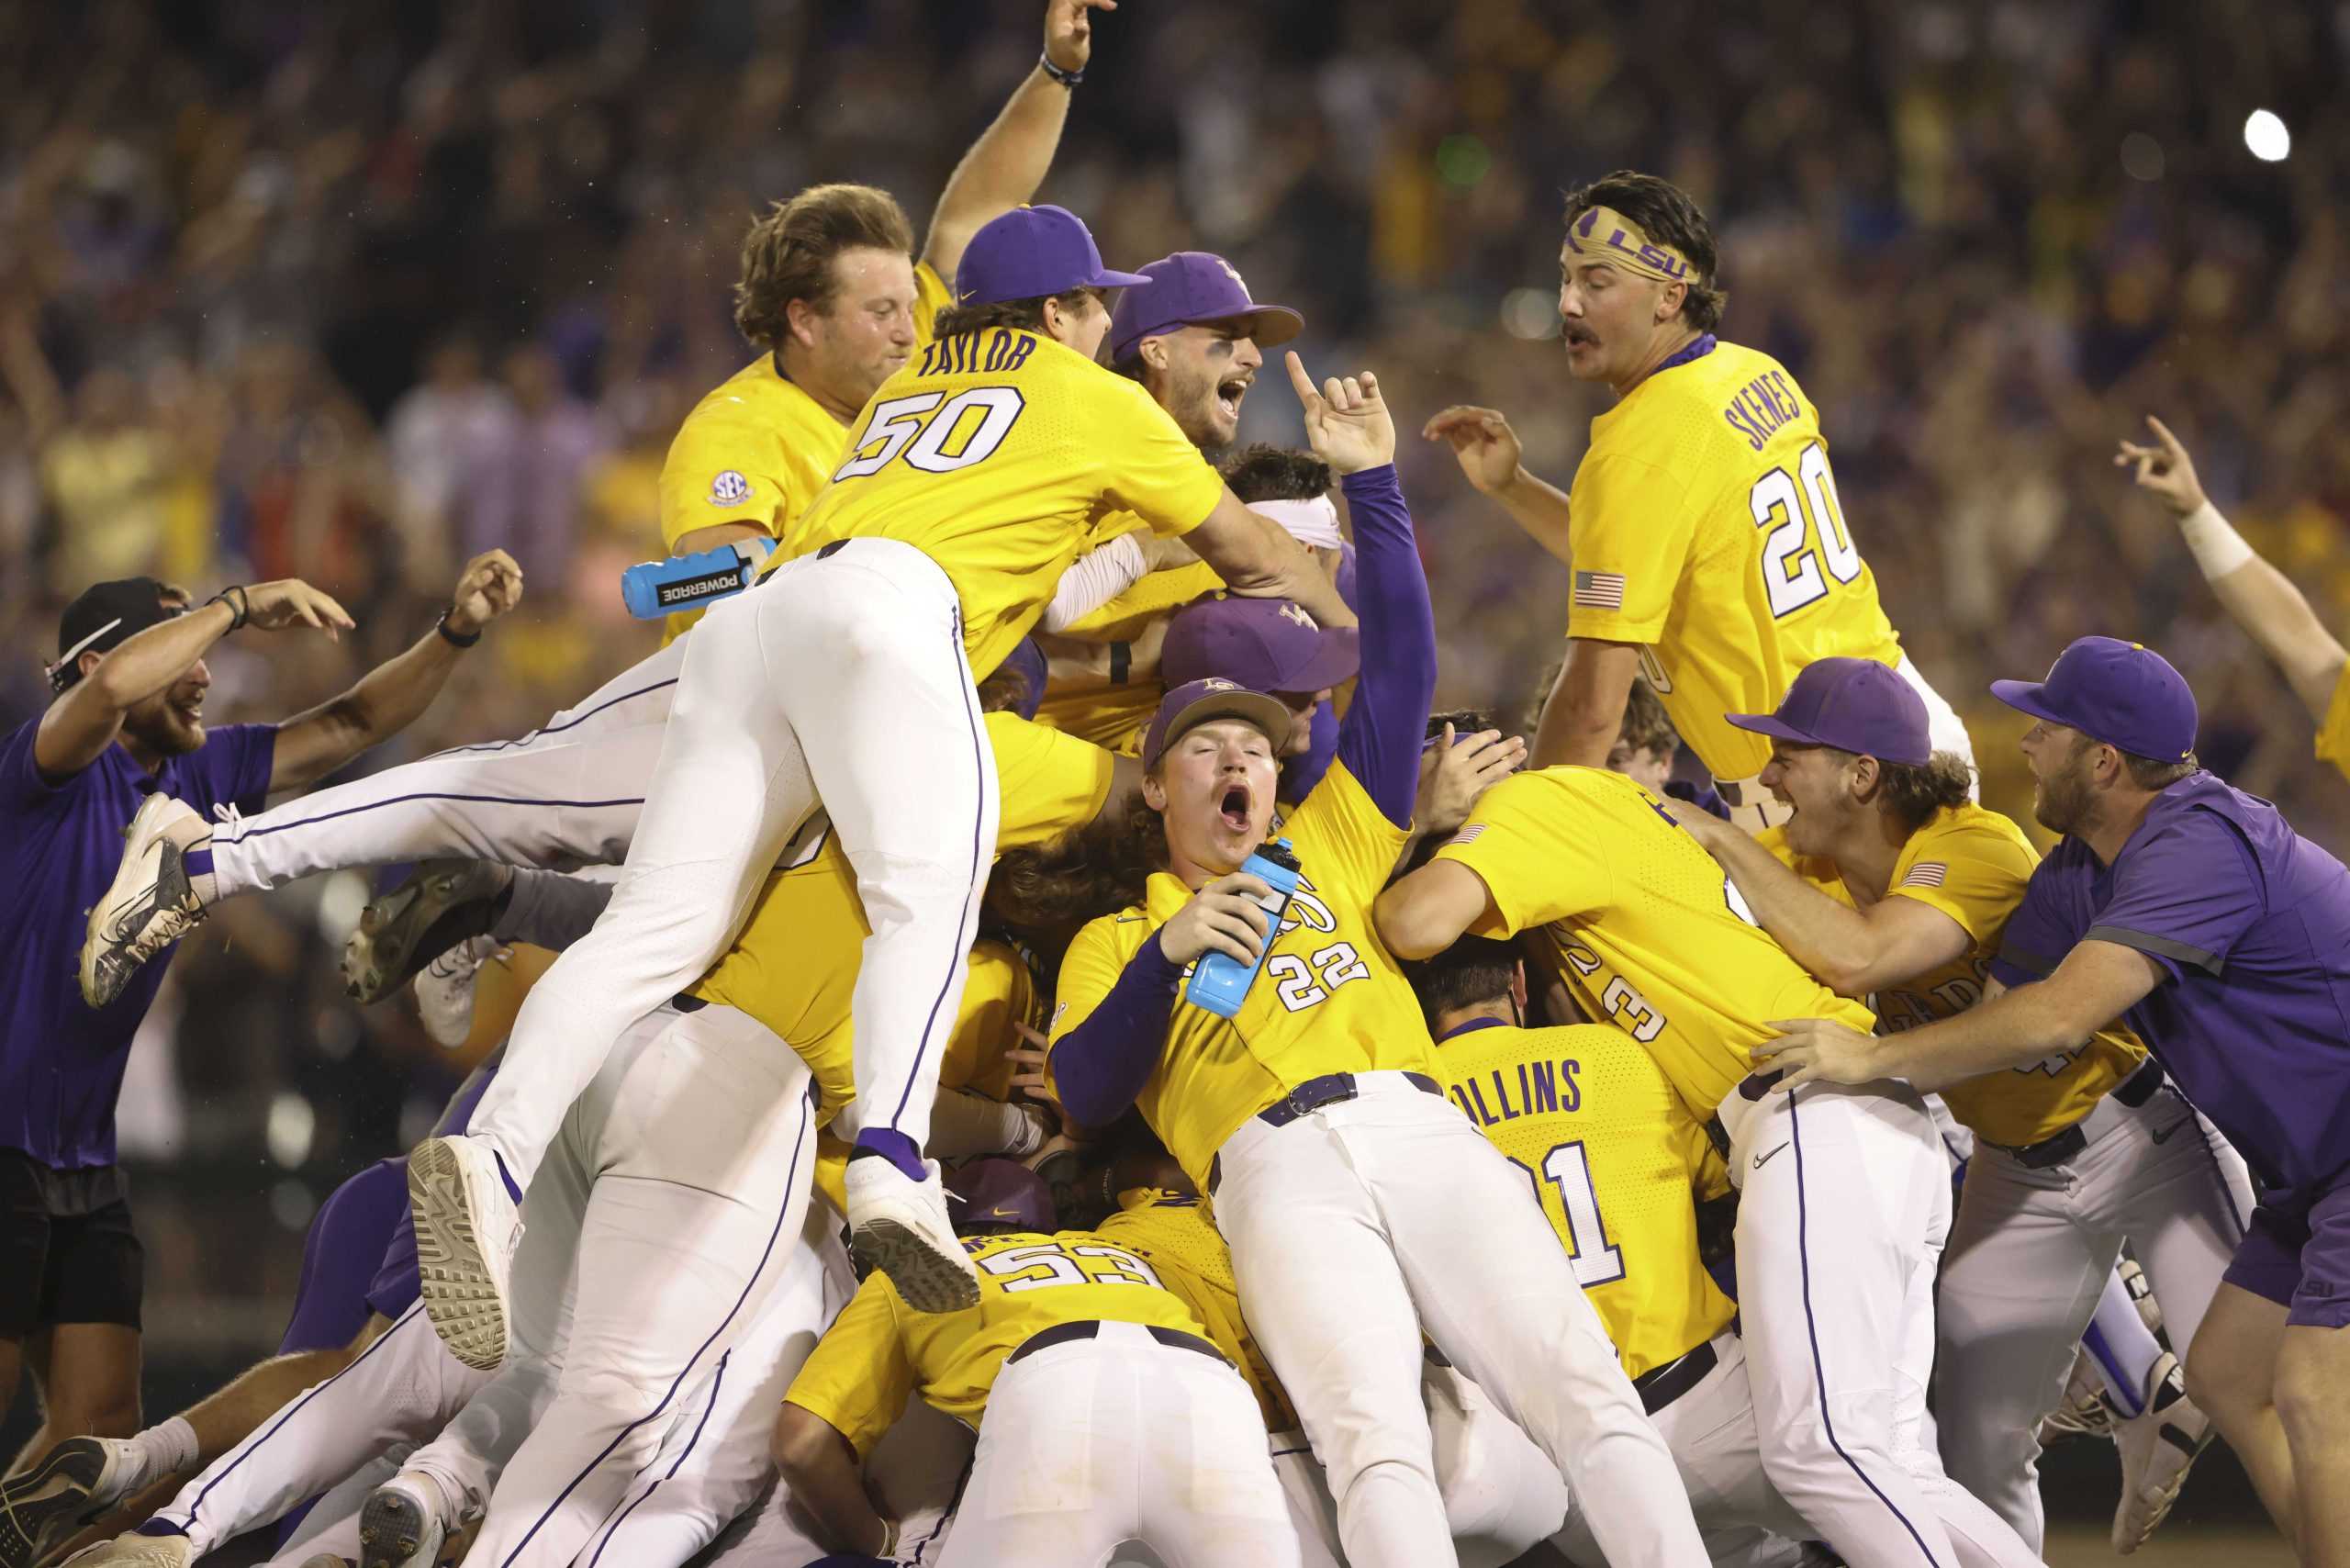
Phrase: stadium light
(2265, 136)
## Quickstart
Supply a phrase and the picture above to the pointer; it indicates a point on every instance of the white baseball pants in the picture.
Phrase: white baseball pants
(1502, 1494)
(1118, 1437)
(1844, 1207)
(841, 677)
(687, 1164)
(2030, 1256)
(565, 794)
(1356, 1224)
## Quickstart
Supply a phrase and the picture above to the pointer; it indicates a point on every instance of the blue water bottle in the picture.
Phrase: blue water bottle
(1219, 981)
(652, 590)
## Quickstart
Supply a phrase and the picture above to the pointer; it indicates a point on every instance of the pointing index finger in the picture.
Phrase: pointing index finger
(1299, 380)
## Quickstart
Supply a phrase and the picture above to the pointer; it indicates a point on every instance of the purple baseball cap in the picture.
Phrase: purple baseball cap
(1855, 705)
(1190, 287)
(1266, 644)
(1032, 251)
(1000, 1194)
(1195, 702)
(2124, 694)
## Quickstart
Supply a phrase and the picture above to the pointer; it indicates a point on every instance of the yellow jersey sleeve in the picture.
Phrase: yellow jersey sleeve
(1151, 595)
(1629, 524)
(932, 294)
(1962, 865)
(1151, 466)
(2334, 735)
(1538, 862)
(1615, 1159)
(1000, 993)
(1047, 781)
(859, 1377)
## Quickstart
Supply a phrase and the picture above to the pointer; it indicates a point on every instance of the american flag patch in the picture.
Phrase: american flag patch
(1599, 590)
(1926, 874)
(1468, 835)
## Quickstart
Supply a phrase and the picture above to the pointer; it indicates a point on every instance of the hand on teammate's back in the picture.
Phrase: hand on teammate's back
(1224, 917)
(490, 586)
(1487, 449)
(1068, 31)
(290, 601)
(2166, 470)
(1346, 423)
(1465, 768)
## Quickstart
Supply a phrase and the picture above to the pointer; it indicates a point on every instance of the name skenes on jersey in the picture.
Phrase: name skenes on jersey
(1330, 998)
(1705, 524)
(1618, 1162)
(1000, 454)
(880, 1350)
(793, 967)
(1972, 864)
(1643, 926)
(758, 448)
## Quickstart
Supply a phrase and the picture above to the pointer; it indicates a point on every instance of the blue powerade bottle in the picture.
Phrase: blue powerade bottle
(1219, 981)
(652, 590)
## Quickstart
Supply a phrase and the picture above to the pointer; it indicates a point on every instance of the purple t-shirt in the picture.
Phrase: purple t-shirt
(60, 1061)
(2250, 924)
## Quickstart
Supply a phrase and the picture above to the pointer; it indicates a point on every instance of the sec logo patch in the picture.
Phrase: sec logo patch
(730, 488)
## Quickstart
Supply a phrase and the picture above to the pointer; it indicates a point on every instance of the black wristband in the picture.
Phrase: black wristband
(239, 612)
(1066, 78)
(452, 638)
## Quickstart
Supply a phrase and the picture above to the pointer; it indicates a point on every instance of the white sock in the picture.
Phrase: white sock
(166, 1448)
(2122, 1347)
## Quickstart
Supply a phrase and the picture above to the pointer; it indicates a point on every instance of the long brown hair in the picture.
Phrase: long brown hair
(1100, 868)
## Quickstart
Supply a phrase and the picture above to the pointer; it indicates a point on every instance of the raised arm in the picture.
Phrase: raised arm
(1011, 158)
(1258, 560)
(1491, 458)
(1380, 738)
(390, 697)
(2257, 597)
(1585, 709)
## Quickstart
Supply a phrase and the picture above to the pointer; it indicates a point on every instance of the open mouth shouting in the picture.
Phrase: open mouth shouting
(1235, 808)
(1230, 391)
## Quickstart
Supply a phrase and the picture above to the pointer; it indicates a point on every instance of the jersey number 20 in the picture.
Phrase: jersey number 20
(1805, 527)
(920, 427)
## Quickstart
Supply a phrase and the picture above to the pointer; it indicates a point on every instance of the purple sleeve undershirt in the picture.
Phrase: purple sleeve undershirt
(1380, 738)
(1103, 1064)
(1301, 772)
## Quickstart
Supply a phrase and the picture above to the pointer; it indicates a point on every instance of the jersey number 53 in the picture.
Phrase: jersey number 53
(935, 433)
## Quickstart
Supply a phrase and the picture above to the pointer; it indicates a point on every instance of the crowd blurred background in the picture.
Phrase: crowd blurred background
(349, 292)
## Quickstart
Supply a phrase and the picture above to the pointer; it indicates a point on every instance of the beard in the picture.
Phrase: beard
(2062, 803)
(1191, 398)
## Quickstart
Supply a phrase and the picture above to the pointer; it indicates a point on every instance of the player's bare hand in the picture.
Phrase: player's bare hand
(1028, 1066)
(1465, 766)
(1701, 823)
(1346, 423)
(1165, 553)
(1223, 917)
(2163, 468)
(490, 586)
(290, 601)
(1488, 451)
(1818, 1050)
(1068, 31)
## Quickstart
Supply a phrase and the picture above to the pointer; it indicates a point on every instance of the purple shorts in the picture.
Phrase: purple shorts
(2299, 1259)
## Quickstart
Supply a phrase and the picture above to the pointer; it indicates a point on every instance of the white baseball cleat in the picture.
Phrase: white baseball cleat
(136, 1551)
(149, 904)
(2086, 1411)
(899, 1225)
(446, 987)
(2158, 1448)
(466, 1230)
(403, 1524)
(402, 931)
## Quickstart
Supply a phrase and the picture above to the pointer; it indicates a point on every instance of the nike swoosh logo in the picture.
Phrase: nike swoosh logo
(2163, 1136)
(1761, 1159)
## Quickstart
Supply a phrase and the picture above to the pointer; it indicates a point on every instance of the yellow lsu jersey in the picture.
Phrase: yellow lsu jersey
(1329, 999)
(1645, 929)
(758, 448)
(794, 964)
(878, 1351)
(1115, 708)
(1173, 1234)
(1618, 1163)
(2334, 735)
(1000, 455)
(1705, 524)
(1972, 863)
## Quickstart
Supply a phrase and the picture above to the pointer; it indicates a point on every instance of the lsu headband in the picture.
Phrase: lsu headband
(1313, 523)
(1604, 234)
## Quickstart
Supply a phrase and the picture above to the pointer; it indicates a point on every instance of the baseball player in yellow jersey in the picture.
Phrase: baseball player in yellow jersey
(1708, 545)
(833, 298)
(1886, 881)
(1315, 1109)
(1844, 1198)
(2272, 611)
(845, 679)
(1104, 1412)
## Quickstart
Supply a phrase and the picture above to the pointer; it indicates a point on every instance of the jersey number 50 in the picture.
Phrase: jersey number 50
(1800, 537)
(920, 428)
